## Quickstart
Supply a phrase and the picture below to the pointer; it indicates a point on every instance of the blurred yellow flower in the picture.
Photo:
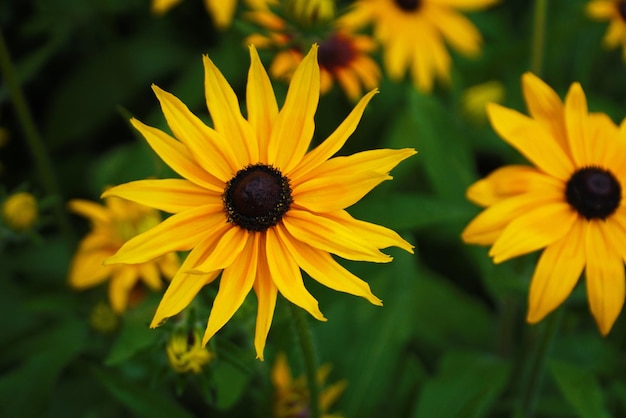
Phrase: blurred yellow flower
(222, 11)
(311, 12)
(474, 99)
(613, 11)
(291, 399)
(253, 204)
(103, 319)
(571, 204)
(112, 225)
(413, 32)
(19, 211)
(186, 353)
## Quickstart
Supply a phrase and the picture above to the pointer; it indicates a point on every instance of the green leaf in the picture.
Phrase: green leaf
(467, 385)
(581, 389)
(231, 383)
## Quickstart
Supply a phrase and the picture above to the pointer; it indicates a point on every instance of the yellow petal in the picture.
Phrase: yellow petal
(235, 284)
(222, 11)
(281, 374)
(321, 266)
(530, 139)
(122, 282)
(466, 5)
(458, 31)
(229, 246)
(605, 277)
(168, 195)
(87, 270)
(557, 273)
(294, 126)
(576, 122)
(150, 275)
(93, 211)
(601, 9)
(334, 142)
(261, 101)
(266, 293)
(286, 275)
(533, 230)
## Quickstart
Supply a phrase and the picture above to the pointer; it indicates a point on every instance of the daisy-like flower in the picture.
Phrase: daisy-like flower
(253, 204)
(291, 398)
(343, 56)
(571, 203)
(413, 32)
(112, 225)
(613, 11)
(222, 11)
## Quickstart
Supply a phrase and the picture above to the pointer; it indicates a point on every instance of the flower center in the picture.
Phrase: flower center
(621, 9)
(335, 52)
(257, 197)
(408, 5)
(593, 192)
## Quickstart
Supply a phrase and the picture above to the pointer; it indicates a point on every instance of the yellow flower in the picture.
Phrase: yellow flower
(310, 12)
(186, 353)
(413, 32)
(112, 225)
(343, 55)
(20, 211)
(291, 398)
(253, 204)
(222, 11)
(615, 12)
(571, 204)
(475, 99)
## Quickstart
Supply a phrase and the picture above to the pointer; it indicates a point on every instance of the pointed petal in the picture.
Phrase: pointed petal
(122, 282)
(294, 126)
(235, 284)
(531, 139)
(261, 101)
(150, 275)
(457, 30)
(214, 154)
(334, 142)
(95, 212)
(222, 11)
(177, 156)
(231, 243)
(557, 273)
(179, 232)
(606, 281)
(321, 266)
(286, 275)
(281, 374)
(168, 195)
(224, 108)
(326, 234)
(576, 122)
(266, 292)
(534, 230)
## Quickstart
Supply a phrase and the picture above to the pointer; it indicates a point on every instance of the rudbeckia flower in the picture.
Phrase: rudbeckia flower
(222, 11)
(615, 12)
(253, 204)
(571, 203)
(113, 224)
(414, 32)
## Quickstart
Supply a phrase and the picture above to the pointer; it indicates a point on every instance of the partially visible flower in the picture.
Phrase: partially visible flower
(103, 319)
(291, 396)
(613, 11)
(222, 11)
(343, 56)
(19, 211)
(186, 353)
(474, 99)
(311, 12)
(254, 205)
(571, 204)
(413, 32)
(112, 225)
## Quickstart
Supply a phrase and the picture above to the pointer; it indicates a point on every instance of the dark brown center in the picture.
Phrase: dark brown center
(621, 9)
(408, 5)
(335, 52)
(593, 192)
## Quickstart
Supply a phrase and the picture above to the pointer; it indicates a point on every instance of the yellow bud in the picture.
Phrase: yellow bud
(474, 99)
(20, 211)
(103, 319)
(186, 353)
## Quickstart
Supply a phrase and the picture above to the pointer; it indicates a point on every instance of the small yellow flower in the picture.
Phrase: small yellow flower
(311, 12)
(613, 11)
(112, 225)
(186, 353)
(222, 11)
(103, 319)
(413, 32)
(291, 396)
(474, 99)
(19, 211)
(254, 205)
(571, 204)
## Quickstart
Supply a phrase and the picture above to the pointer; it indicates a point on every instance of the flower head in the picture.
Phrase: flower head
(613, 11)
(186, 353)
(571, 204)
(253, 204)
(19, 211)
(291, 398)
(113, 224)
(413, 32)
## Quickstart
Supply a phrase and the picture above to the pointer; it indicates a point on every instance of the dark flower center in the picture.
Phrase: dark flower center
(593, 192)
(257, 197)
(409, 5)
(335, 52)
(621, 9)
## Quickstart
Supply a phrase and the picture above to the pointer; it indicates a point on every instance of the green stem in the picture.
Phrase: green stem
(532, 378)
(539, 36)
(310, 359)
(35, 144)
